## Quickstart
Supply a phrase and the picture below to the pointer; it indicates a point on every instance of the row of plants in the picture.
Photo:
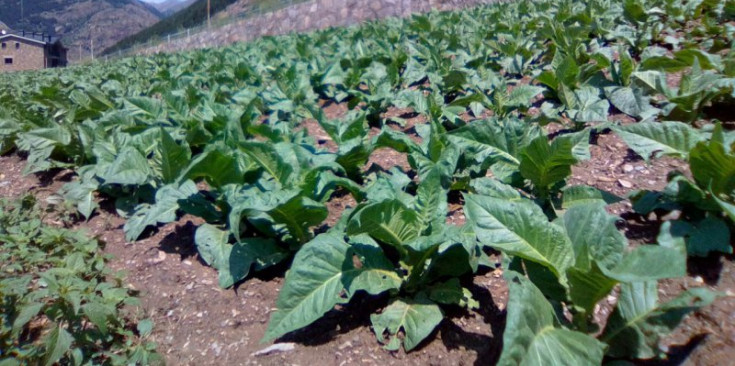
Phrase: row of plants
(60, 302)
(220, 134)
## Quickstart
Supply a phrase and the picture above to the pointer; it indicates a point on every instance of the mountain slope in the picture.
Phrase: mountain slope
(193, 15)
(82, 24)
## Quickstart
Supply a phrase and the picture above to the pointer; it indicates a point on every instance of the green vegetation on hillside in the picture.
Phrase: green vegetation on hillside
(147, 132)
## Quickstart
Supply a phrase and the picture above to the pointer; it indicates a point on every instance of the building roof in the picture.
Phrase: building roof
(35, 37)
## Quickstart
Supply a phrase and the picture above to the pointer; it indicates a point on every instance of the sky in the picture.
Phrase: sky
(157, 1)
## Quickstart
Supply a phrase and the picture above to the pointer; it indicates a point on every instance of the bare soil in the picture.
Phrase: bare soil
(197, 323)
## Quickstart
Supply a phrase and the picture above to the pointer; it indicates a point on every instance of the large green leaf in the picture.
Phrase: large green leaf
(727, 207)
(594, 236)
(452, 292)
(493, 138)
(651, 262)
(8, 131)
(582, 195)
(390, 222)
(130, 167)
(431, 201)
(701, 237)
(416, 317)
(492, 187)
(547, 164)
(150, 108)
(587, 106)
(267, 156)
(662, 138)
(713, 167)
(588, 287)
(521, 95)
(82, 193)
(233, 262)
(532, 336)
(321, 272)
(57, 343)
(630, 101)
(217, 167)
(164, 210)
(171, 157)
(638, 322)
(299, 215)
(520, 228)
(597, 243)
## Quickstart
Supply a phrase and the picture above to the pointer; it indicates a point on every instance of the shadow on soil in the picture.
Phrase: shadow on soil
(180, 241)
(346, 318)
(677, 355)
(644, 231)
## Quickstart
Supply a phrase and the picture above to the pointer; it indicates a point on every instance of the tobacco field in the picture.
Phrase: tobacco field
(478, 118)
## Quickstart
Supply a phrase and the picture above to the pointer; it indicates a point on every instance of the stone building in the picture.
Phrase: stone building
(20, 50)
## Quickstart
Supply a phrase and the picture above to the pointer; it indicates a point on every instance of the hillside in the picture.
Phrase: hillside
(195, 14)
(81, 23)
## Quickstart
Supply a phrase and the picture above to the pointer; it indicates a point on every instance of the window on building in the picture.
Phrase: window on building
(8, 60)
(17, 45)
(4, 45)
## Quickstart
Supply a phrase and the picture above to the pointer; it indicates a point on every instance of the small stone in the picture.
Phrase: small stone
(159, 258)
(216, 348)
(624, 183)
(200, 314)
(627, 168)
(639, 168)
(276, 348)
(345, 345)
(186, 262)
(699, 279)
(610, 299)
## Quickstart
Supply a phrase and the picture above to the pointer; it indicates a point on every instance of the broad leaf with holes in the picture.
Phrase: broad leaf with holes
(321, 276)
(416, 317)
(639, 321)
